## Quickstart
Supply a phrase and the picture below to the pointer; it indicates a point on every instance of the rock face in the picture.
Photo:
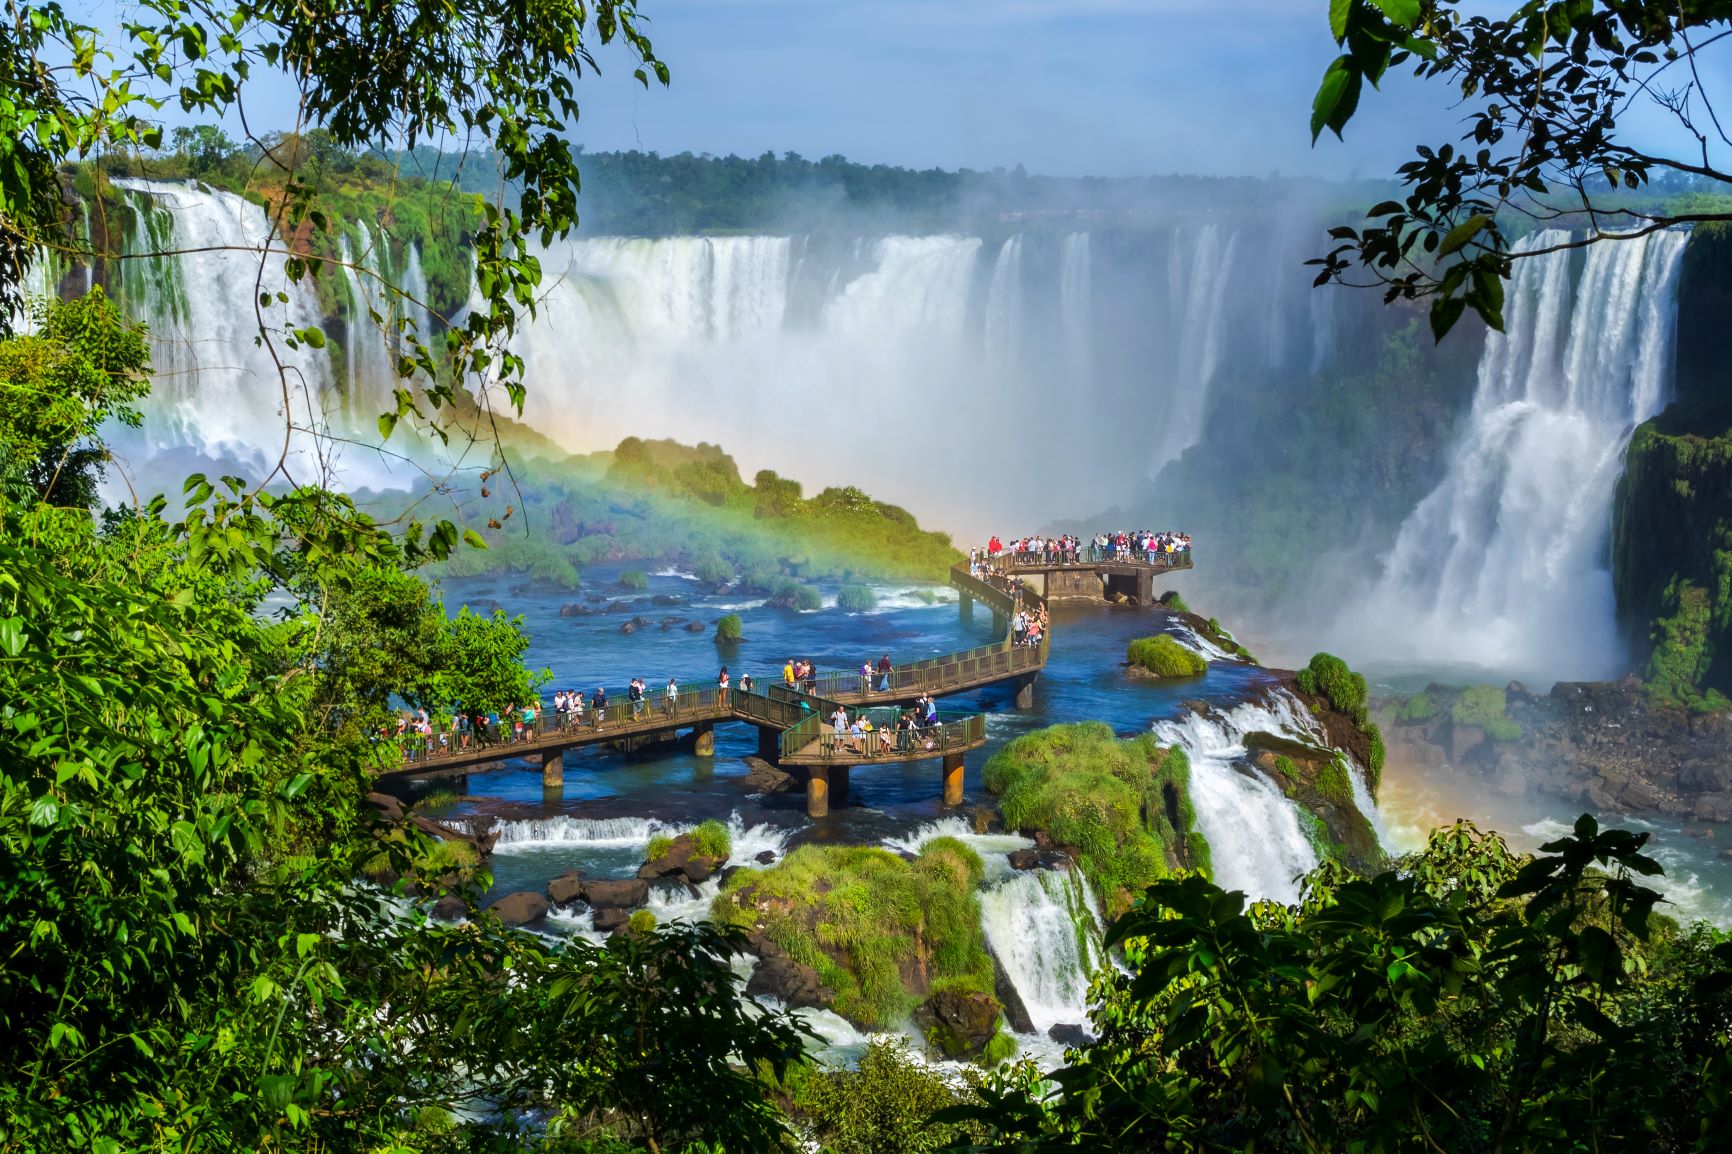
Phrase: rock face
(1601, 745)
(680, 862)
(566, 888)
(450, 908)
(520, 909)
(780, 976)
(1317, 781)
(1035, 858)
(958, 1025)
(694, 627)
(762, 777)
(608, 920)
(614, 895)
(1070, 1034)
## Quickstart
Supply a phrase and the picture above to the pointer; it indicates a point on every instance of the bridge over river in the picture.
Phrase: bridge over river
(794, 724)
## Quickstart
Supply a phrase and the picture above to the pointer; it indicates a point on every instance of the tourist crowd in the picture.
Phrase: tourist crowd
(1143, 545)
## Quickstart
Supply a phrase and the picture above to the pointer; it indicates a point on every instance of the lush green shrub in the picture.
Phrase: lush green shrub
(807, 598)
(1328, 676)
(857, 598)
(728, 628)
(712, 570)
(1482, 707)
(1171, 601)
(1000, 1048)
(1165, 657)
(711, 839)
(881, 1106)
(641, 922)
(1124, 805)
(861, 916)
(658, 848)
(437, 799)
(634, 579)
(1419, 707)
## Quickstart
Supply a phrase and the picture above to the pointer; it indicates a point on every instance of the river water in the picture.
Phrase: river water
(1042, 929)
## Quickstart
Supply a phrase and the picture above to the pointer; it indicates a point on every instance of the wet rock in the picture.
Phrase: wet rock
(1015, 1011)
(958, 1025)
(629, 628)
(609, 920)
(985, 819)
(1070, 1034)
(779, 976)
(566, 888)
(667, 599)
(620, 607)
(765, 857)
(573, 609)
(669, 622)
(762, 777)
(520, 909)
(694, 627)
(681, 863)
(1035, 858)
(450, 908)
(596, 598)
(621, 894)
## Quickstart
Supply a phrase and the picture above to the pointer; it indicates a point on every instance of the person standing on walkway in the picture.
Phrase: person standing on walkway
(722, 688)
(745, 683)
(600, 705)
(884, 674)
(634, 694)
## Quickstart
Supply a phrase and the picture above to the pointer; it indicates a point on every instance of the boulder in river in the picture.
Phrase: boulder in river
(620, 607)
(622, 894)
(609, 920)
(959, 1025)
(667, 599)
(694, 627)
(573, 609)
(629, 627)
(680, 861)
(566, 888)
(1070, 1034)
(519, 909)
(768, 856)
(1035, 858)
(450, 908)
(762, 777)
(779, 976)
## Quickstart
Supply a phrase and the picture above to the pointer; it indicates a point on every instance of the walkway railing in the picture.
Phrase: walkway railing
(816, 738)
(1088, 556)
(805, 710)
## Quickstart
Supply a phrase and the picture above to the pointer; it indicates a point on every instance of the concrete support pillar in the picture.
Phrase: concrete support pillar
(953, 779)
(553, 769)
(769, 744)
(704, 739)
(1146, 587)
(818, 791)
(967, 604)
(1025, 693)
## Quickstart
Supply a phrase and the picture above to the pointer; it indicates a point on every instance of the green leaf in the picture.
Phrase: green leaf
(1462, 233)
(1402, 12)
(473, 539)
(1338, 11)
(1330, 96)
(1445, 311)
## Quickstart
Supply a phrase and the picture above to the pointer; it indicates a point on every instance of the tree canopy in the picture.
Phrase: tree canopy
(1548, 90)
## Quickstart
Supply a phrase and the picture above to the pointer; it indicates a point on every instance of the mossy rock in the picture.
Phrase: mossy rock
(728, 629)
(1164, 657)
(635, 580)
(857, 598)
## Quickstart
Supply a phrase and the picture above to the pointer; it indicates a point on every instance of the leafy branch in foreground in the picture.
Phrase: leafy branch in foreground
(1467, 1001)
(1545, 88)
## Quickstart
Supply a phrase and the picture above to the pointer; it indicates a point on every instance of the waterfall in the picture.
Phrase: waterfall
(216, 389)
(1076, 311)
(1003, 326)
(1503, 565)
(1255, 839)
(1045, 928)
(1198, 270)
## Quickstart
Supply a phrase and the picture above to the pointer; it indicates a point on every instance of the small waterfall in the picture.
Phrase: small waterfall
(1076, 312)
(1255, 839)
(1198, 269)
(605, 832)
(1003, 325)
(1045, 928)
(1503, 565)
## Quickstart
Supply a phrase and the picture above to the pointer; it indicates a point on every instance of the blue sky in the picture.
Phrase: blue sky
(1102, 87)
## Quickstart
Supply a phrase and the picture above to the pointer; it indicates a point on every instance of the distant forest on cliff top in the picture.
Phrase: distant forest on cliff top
(647, 194)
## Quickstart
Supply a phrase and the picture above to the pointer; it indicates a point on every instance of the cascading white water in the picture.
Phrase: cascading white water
(216, 388)
(1503, 565)
(1003, 328)
(1076, 311)
(1198, 271)
(1045, 928)
(1256, 842)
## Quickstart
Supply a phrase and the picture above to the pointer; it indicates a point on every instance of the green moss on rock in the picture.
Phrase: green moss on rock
(884, 933)
(1165, 657)
(1123, 806)
(1482, 707)
(857, 598)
